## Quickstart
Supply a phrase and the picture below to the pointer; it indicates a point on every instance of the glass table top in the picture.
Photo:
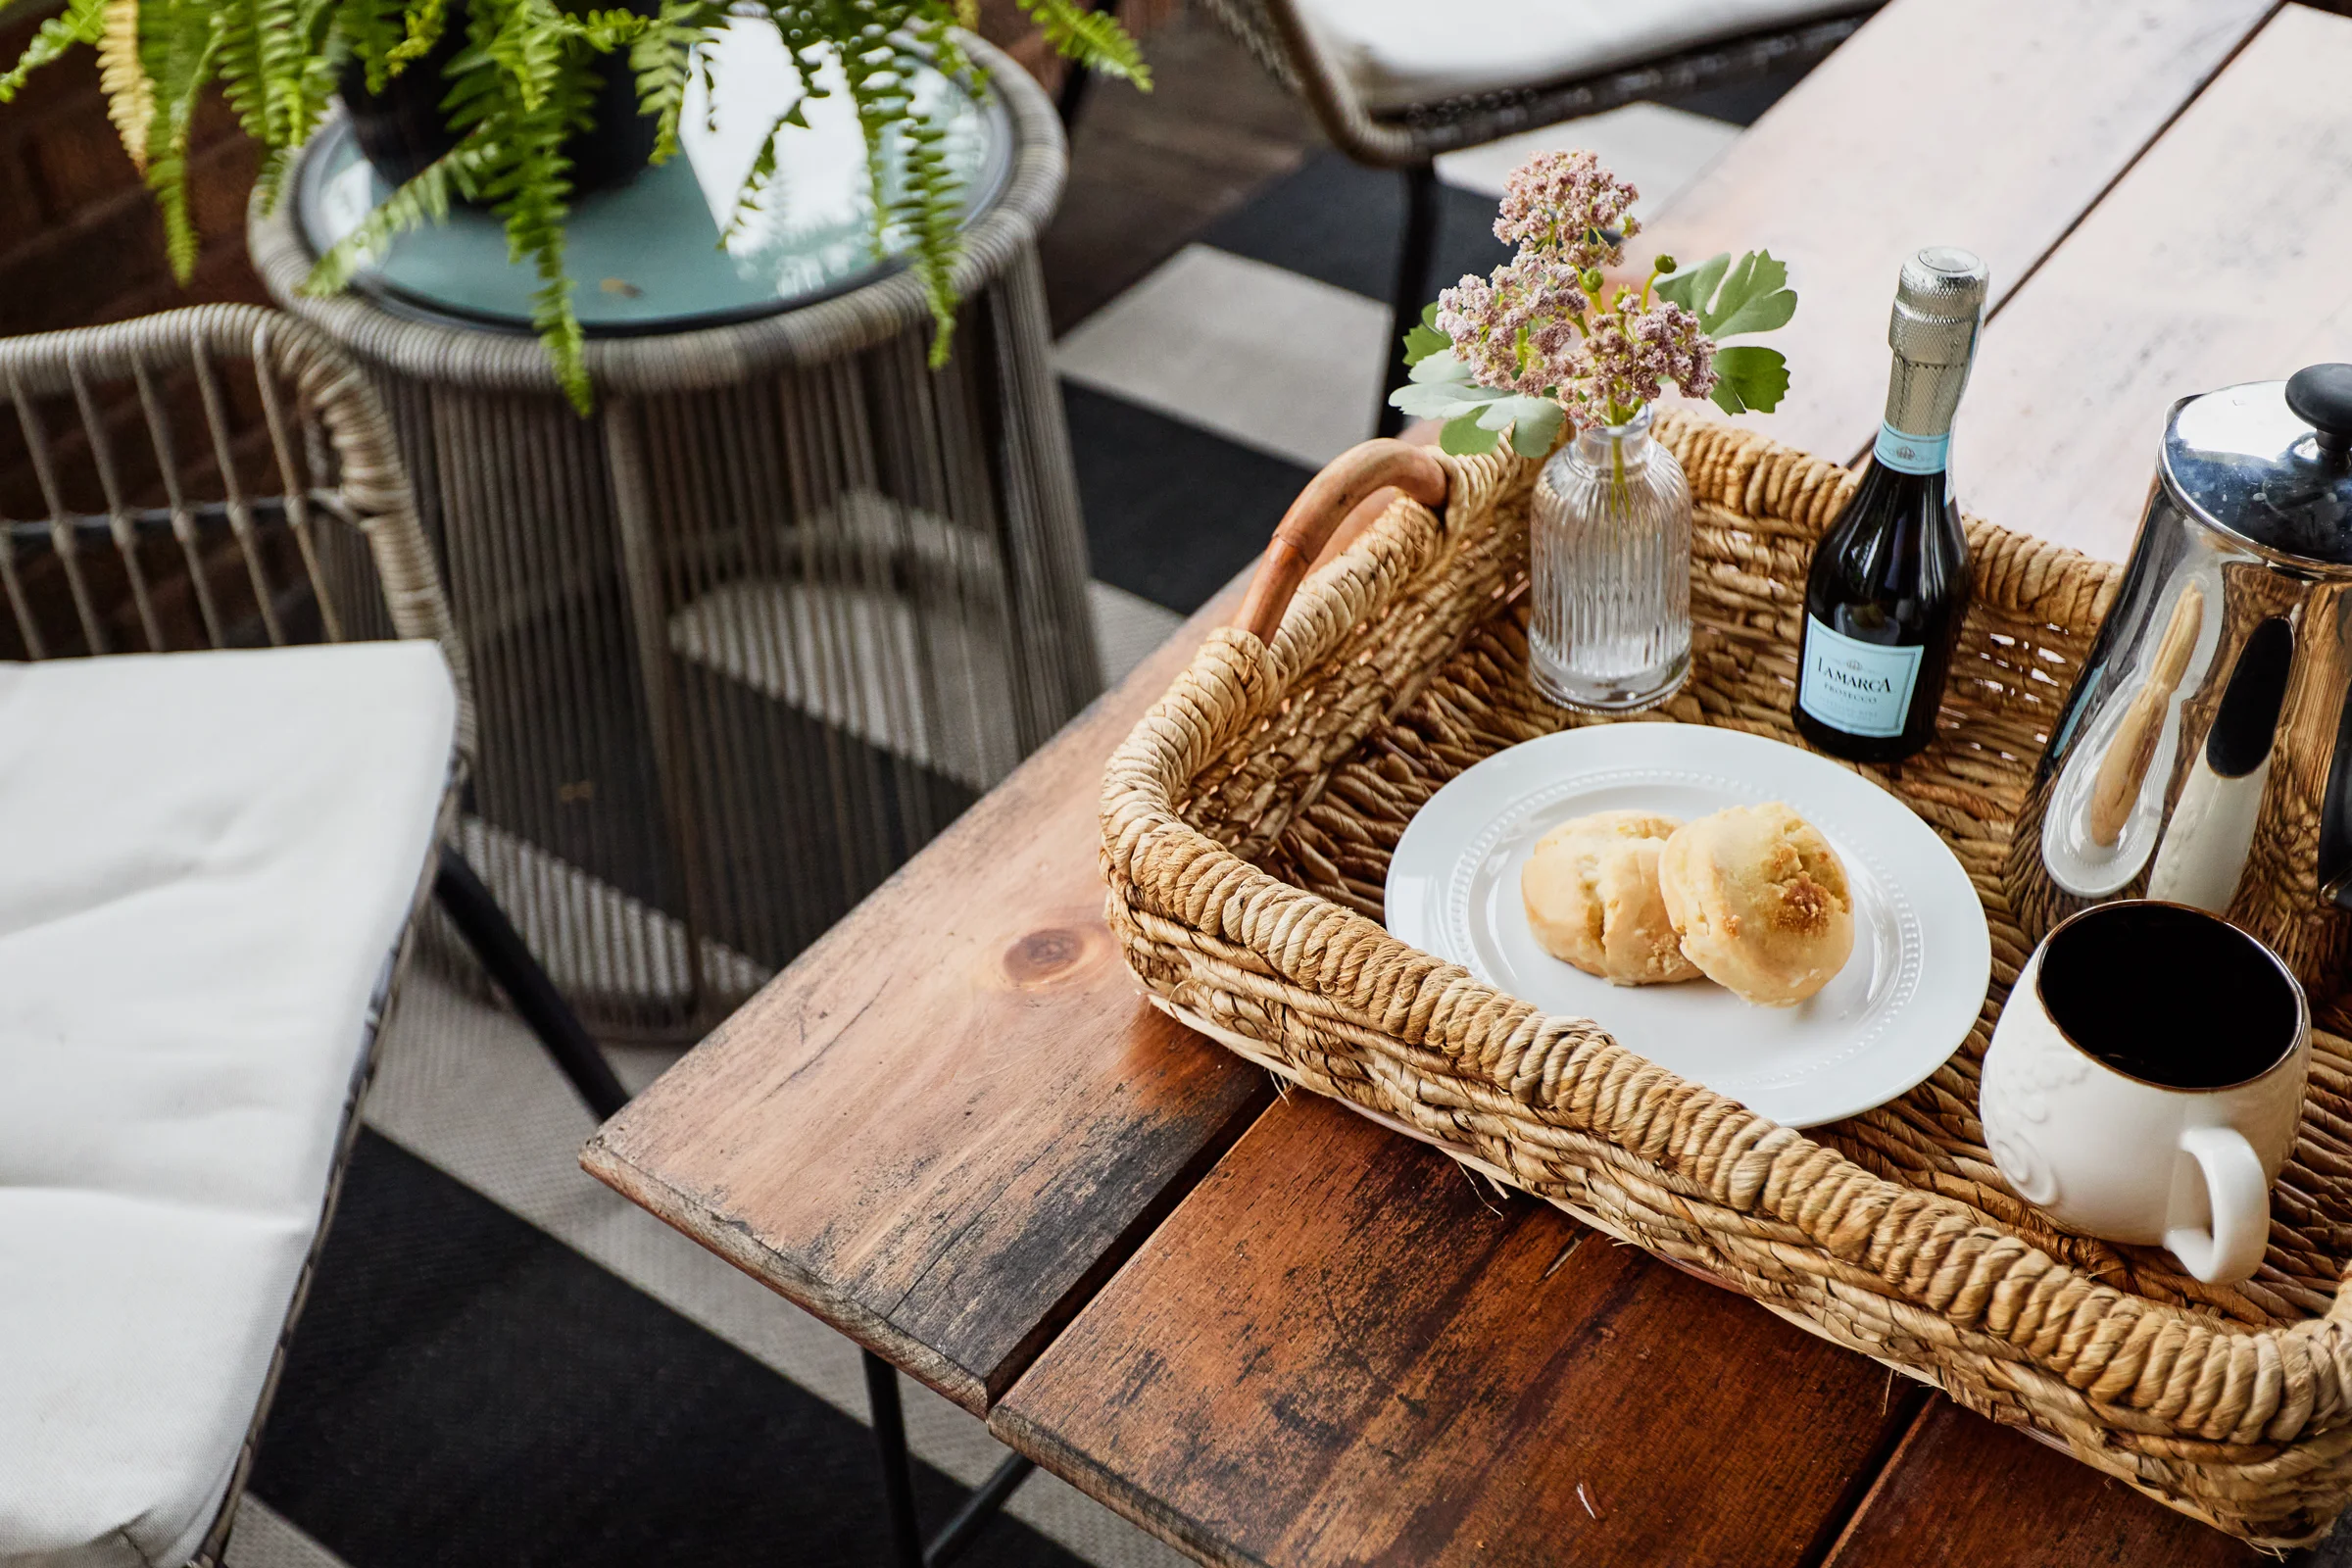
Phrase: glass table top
(655, 255)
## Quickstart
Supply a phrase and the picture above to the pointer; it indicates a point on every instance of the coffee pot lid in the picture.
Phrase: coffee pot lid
(2270, 461)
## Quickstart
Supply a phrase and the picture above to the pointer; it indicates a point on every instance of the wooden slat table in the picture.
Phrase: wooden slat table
(1343, 1350)
(2224, 255)
(1277, 1335)
(1995, 124)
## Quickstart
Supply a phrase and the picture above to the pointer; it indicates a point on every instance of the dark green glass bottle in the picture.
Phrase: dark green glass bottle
(1889, 581)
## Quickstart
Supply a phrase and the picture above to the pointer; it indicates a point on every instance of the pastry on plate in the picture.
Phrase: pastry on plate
(1590, 887)
(1760, 902)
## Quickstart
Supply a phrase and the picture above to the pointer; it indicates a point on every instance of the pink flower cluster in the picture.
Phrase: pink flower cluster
(1534, 327)
(1511, 331)
(1566, 205)
(1632, 357)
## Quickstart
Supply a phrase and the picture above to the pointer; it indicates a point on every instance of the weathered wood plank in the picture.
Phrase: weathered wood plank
(952, 1115)
(2225, 256)
(1338, 1350)
(1995, 124)
(1960, 1490)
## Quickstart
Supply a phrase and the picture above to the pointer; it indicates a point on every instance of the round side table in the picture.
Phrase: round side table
(789, 600)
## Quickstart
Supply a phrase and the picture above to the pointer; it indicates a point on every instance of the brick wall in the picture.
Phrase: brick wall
(79, 239)
(80, 244)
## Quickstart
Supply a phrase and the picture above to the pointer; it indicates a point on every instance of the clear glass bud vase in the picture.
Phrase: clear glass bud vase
(1609, 547)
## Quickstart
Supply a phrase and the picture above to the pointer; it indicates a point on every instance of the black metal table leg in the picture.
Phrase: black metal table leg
(1414, 249)
(898, 1468)
(907, 1546)
(476, 913)
(977, 1510)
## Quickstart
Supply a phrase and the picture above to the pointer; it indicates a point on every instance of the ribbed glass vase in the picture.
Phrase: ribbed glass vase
(1609, 548)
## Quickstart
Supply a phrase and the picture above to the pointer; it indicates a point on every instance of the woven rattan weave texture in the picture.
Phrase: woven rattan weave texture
(1247, 827)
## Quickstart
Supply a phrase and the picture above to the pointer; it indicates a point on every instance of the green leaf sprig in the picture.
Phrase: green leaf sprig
(1733, 299)
(1475, 416)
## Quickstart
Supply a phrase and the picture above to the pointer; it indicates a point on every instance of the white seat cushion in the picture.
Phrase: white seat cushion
(1399, 52)
(206, 861)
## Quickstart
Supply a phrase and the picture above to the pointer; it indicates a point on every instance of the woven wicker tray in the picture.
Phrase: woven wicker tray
(1247, 826)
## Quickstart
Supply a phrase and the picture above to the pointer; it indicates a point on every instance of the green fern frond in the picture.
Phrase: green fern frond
(666, 56)
(122, 78)
(935, 37)
(421, 31)
(270, 180)
(182, 53)
(245, 69)
(532, 89)
(559, 328)
(877, 86)
(608, 30)
(931, 208)
(751, 199)
(281, 55)
(80, 22)
(370, 30)
(1092, 39)
(313, 90)
(277, 67)
(423, 199)
(527, 44)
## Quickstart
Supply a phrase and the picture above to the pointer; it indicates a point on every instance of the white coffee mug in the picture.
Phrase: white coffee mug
(2145, 1081)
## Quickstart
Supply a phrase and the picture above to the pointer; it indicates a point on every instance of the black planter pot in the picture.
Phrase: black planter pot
(402, 128)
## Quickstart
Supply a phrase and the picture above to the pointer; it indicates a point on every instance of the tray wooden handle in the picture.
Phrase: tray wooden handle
(1344, 484)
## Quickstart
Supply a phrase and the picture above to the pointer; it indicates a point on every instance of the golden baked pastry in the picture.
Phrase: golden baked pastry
(1591, 889)
(1760, 900)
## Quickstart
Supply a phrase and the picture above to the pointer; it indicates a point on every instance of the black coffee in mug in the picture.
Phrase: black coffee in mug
(2169, 995)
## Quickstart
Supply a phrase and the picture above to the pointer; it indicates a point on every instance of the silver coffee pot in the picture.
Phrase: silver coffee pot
(2205, 754)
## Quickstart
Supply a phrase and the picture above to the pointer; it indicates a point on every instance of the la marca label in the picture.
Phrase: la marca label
(1860, 688)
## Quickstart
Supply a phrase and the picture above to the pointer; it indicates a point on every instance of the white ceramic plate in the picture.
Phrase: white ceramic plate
(1905, 1002)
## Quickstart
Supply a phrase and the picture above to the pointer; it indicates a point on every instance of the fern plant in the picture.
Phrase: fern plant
(521, 85)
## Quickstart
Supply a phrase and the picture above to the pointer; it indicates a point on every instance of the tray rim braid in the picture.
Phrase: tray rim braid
(2248, 1429)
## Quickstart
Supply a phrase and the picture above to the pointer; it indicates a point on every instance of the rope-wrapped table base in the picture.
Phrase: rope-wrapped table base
(1246, 828)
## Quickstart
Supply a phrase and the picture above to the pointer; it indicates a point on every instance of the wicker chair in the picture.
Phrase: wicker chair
(1292, 39)
(216, 480)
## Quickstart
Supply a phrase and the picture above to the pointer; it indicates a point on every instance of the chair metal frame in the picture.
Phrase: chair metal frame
(319, 414)
(1411, 139)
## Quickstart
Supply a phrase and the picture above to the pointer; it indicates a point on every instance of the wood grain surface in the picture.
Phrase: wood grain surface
(2225, 256)
(1960, 1490)
(1995, 124)
(952, 1115)
(1340, 1350)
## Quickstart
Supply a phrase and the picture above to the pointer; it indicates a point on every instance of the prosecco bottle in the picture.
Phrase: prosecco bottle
(1889, 580)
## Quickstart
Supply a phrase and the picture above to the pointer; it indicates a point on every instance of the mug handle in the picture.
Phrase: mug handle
(2239, 1196)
